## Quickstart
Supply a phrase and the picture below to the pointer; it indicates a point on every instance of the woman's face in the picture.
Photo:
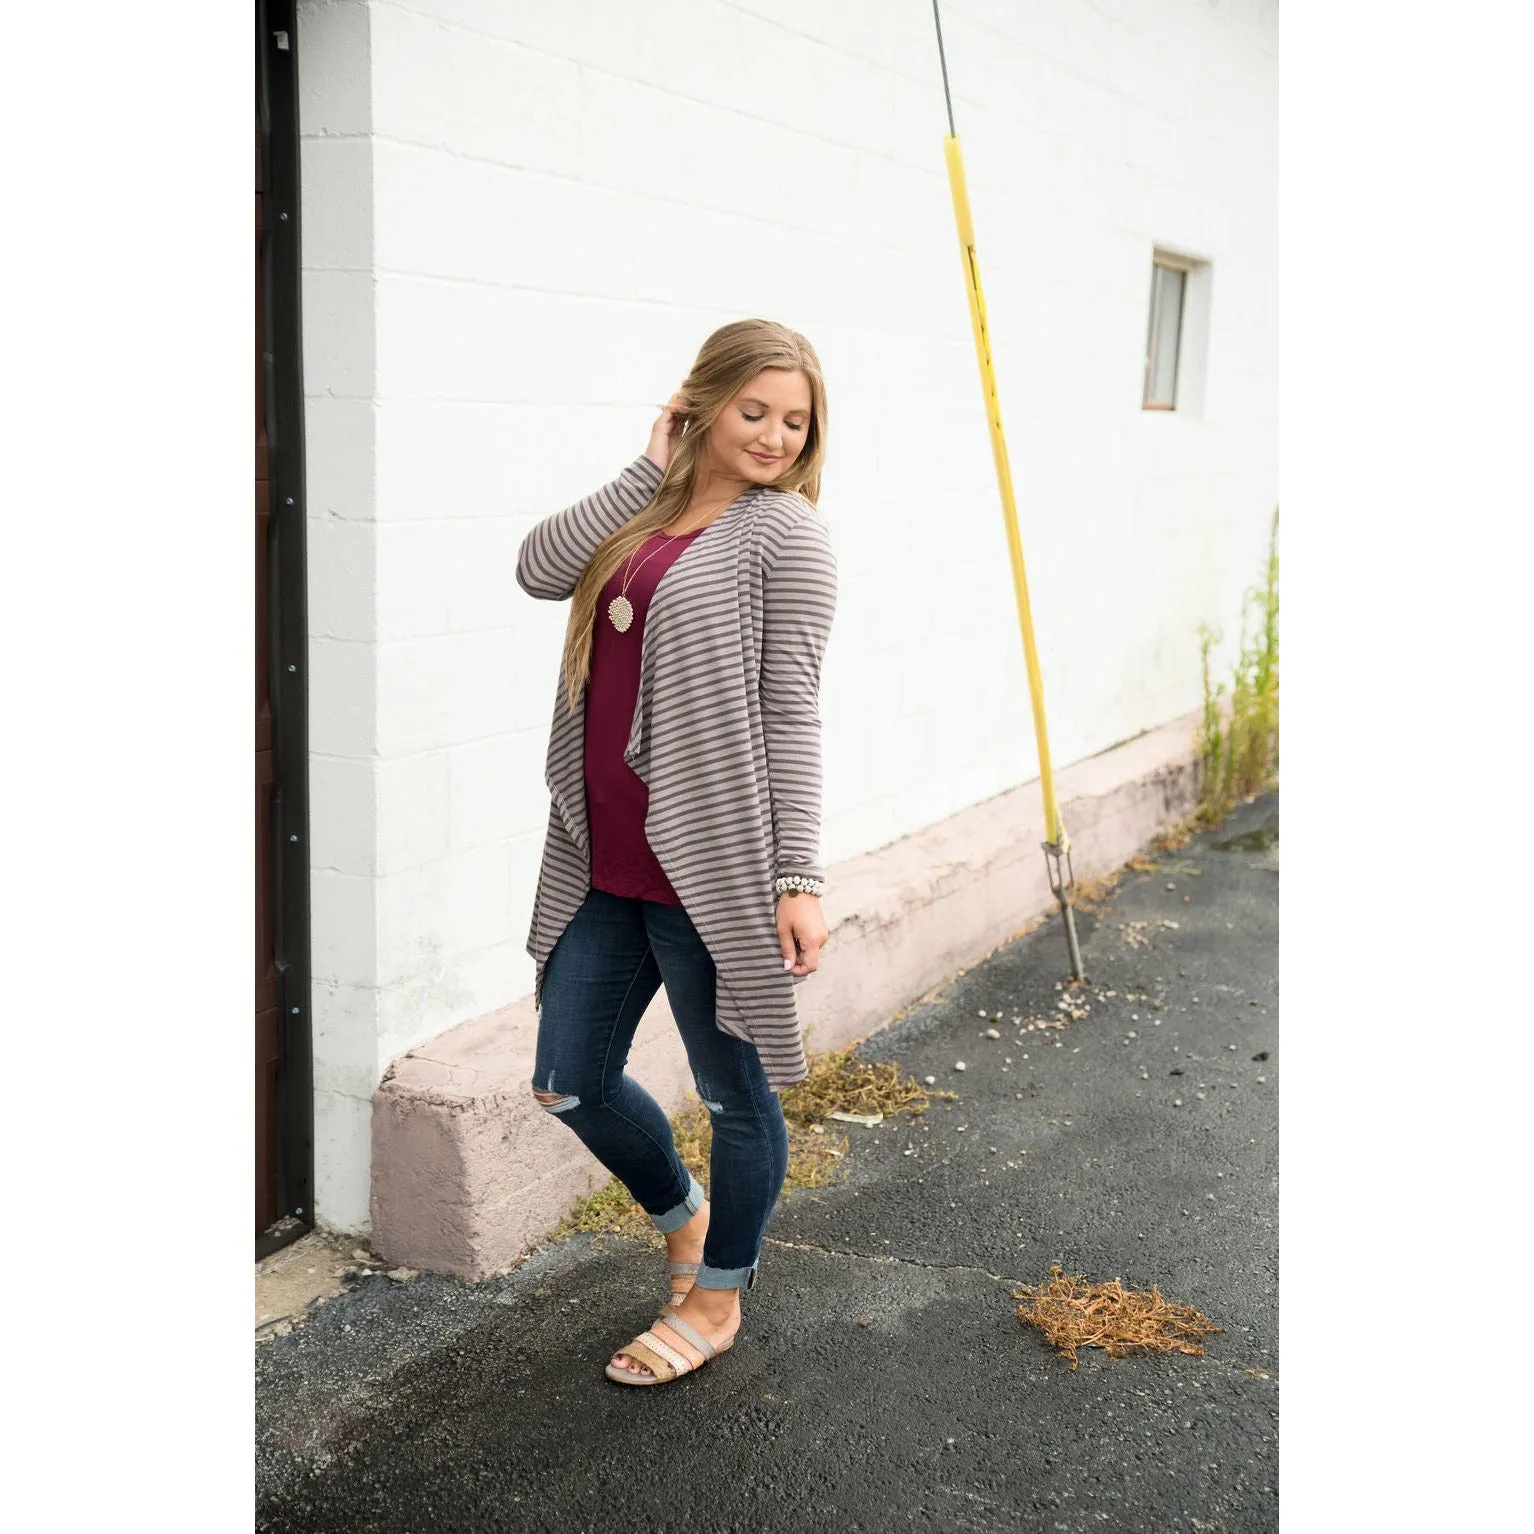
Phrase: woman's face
(764, 428)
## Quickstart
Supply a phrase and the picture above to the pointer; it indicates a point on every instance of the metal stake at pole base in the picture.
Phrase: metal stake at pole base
(1062, 879)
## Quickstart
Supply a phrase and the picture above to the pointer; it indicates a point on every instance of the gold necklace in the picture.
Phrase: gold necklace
(620, 610)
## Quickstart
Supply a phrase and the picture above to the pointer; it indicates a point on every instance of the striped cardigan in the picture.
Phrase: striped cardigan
(726, 735)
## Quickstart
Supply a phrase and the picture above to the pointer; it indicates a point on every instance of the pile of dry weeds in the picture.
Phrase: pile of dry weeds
(1072, 1314)
(839, 1082)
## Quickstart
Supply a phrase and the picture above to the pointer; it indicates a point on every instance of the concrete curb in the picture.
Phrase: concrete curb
(468, 1172)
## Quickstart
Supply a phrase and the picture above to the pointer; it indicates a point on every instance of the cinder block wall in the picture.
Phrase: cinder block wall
(519, 222)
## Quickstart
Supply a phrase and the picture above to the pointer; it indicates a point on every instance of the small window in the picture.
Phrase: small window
(1163, 347)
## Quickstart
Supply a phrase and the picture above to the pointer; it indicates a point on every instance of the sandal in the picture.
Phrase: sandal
(682, 1269)
(665, 1361)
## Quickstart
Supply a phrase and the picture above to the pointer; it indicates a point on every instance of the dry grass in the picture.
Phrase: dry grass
(1093, 894)
(816, 1150)
(1176, 837)
(1072, 1314)
(840, 1082)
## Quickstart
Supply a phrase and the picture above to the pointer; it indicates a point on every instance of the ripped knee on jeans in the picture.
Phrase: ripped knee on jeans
(557, 1102)
(706, 1096)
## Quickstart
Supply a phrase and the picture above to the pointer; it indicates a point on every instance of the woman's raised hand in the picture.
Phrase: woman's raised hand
(666, 430)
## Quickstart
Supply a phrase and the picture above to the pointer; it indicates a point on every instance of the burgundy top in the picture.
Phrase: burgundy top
(616, 797)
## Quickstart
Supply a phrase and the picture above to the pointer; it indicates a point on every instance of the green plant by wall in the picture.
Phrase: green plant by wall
(1238, 738)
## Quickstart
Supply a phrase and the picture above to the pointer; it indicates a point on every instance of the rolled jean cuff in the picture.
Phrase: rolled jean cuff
(677, 1216)
(726, 1278)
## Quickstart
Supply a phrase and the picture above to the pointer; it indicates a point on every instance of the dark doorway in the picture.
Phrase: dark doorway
(284, 1061)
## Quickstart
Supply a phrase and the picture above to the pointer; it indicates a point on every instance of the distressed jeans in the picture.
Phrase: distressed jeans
(602, 974)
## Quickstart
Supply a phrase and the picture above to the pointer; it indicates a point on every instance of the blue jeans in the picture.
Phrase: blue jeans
(604, 971)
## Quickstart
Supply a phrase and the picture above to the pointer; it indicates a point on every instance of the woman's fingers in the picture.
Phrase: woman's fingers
(788, 944)
(801, 935)
(672, 414)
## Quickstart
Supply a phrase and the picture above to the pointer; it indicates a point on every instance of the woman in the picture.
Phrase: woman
(683, 846)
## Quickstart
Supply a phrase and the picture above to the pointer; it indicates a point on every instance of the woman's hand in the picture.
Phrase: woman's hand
(801, 931)
(667, 428)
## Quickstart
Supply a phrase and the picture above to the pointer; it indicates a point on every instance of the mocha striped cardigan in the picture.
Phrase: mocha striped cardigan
(726, 735)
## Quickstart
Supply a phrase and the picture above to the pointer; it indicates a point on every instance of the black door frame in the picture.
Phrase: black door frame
(282, 374)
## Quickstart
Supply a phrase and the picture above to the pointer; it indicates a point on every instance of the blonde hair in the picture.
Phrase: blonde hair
(727, 361)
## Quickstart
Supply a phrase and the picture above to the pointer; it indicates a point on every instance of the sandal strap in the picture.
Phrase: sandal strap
(653, 1350)
(691, 1333)
(652, 1360)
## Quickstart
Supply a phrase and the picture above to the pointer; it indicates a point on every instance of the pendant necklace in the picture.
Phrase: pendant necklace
(620, 610)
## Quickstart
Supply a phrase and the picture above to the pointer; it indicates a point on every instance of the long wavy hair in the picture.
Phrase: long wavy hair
(731, 357)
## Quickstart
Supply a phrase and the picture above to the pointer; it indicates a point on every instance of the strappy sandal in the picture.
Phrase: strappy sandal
(687, 1270)
(664, 1361)
(682, 1269)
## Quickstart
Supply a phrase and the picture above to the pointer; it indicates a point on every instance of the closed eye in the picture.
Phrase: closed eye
(792, 425)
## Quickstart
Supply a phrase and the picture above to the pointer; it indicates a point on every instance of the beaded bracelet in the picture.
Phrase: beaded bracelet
(799, 884)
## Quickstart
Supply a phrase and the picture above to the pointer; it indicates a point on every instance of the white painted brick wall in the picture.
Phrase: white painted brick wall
(519, 222)
(338, 187)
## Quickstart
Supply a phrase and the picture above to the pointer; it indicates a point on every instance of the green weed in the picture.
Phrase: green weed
(1238, 737)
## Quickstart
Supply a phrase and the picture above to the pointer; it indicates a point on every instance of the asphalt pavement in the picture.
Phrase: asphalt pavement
(881, 1378)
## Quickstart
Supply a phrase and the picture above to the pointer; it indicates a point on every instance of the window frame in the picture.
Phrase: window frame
(1186, 267)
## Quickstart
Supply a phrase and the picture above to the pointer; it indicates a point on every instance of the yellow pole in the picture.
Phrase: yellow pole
(1054, 826)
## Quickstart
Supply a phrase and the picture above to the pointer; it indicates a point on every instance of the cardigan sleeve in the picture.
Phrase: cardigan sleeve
(800, 602)
(556, 552)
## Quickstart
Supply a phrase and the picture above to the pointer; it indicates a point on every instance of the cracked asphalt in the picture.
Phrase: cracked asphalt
(881, 1378)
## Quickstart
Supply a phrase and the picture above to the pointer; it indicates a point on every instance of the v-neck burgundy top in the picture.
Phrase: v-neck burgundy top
(617, 799)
